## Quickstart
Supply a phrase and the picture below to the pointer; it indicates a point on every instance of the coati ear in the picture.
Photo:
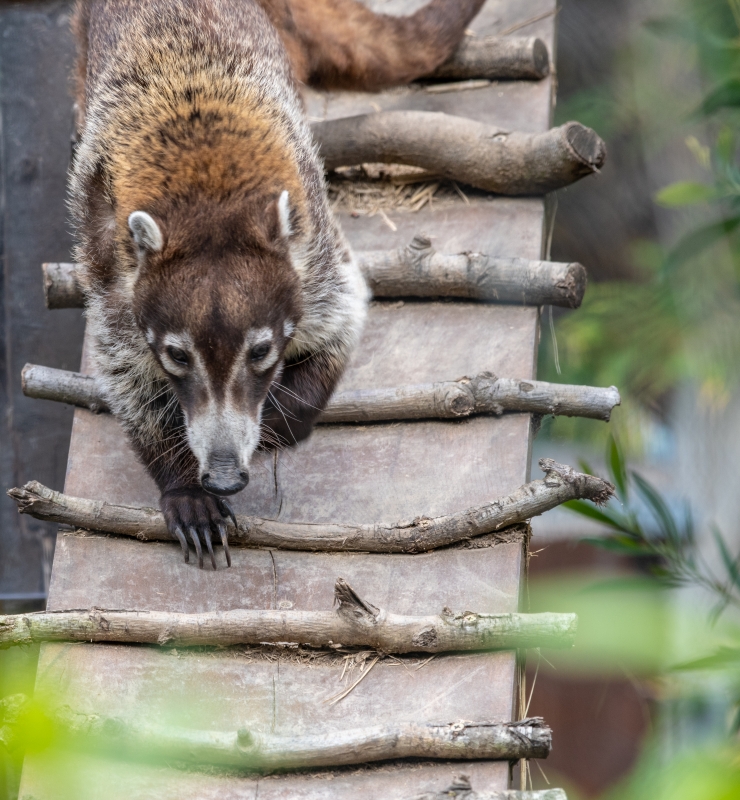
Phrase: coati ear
(146, 232)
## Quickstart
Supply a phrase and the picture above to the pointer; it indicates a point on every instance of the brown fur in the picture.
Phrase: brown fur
(341, 44)
(189, 115)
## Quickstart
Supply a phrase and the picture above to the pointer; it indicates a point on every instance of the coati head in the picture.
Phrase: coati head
(217, 298)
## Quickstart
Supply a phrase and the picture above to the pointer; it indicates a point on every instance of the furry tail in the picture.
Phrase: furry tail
(341, 44)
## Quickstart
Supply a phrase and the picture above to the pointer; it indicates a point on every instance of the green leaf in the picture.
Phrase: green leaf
(684, 193)
(607, 517)
(617, 467)
(723, 657)
(618, 544)
(726, 95)
(732, 565)
(659, 508)
(584, 466)
(699, 240)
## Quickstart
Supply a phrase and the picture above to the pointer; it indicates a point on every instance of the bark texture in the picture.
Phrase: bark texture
(494, 57)
(261, 752)
(47, 383)
(62, 288)
(419, 535)
(460, 789)
(480, 155)
(483, 394)
(354, 623)
(416, 270)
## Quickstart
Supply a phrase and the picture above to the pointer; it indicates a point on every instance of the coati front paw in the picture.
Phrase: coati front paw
(196, 512)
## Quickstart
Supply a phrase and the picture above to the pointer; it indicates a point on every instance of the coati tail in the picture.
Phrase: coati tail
(341, 44)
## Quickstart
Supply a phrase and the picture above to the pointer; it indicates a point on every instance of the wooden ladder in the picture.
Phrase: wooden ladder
(343, 473)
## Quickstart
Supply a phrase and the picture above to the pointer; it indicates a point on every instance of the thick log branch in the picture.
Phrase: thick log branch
(353, 623)
(495, 57)
(416, 270)
(261, 752)
(419, 535)
(460, 789)
(483, 394)
(460, 149)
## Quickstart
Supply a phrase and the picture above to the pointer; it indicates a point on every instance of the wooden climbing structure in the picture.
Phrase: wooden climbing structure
(355, 472)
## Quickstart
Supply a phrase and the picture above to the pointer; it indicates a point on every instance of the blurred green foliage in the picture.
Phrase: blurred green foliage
(677, 93)
(686, 644)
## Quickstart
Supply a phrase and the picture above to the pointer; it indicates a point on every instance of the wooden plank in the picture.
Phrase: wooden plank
(512, 105)
(361, 473)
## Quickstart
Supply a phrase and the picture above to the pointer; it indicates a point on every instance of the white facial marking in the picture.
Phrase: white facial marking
(288, 328)
(223, 427)
(256, 337)
(146, 232)
(178, 341)
(284, 214)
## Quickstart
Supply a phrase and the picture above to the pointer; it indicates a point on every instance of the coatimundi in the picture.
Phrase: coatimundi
(222, 299)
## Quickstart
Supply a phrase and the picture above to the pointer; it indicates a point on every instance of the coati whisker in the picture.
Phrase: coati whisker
(285, 419)
(282, 408)
(296, 396)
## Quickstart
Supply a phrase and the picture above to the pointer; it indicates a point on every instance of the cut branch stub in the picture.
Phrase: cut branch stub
(62, 287)
(460, 149)
(482, 394)
(495, 57)
(419, 535)
(256, 751)
(355, 623)
(416, 270)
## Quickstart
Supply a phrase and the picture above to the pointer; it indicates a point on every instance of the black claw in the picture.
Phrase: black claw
(226, 510)
(196, 541)
(224, 541)
(209, 544)
(183, 543)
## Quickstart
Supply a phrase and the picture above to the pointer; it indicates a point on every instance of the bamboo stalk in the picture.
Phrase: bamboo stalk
(419, 535)
(415, 270)
(262, 752)
(495, 57)
(482, 394)
(354, 623)
(465, 150)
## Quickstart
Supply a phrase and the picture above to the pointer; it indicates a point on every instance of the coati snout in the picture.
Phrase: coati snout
(218, 319)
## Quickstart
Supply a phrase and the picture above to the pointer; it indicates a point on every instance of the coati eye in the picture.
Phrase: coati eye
(259, 351)
(178, 356)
